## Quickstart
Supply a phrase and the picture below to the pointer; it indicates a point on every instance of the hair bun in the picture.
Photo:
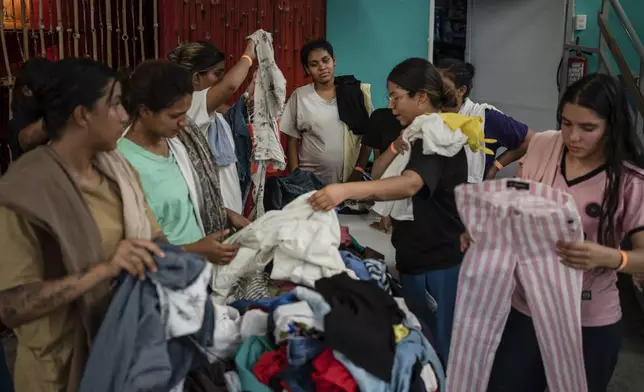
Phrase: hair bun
(470, 68)
(124, 76)
(175, 54)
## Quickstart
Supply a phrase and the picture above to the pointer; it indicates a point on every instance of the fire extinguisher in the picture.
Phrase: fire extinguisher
(577, 66)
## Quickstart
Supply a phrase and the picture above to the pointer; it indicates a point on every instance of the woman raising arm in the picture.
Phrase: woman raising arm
(212, 88)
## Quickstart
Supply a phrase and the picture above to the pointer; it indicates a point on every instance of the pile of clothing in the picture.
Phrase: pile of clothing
(294, 312)
(155, 330)
(300, 244)
(291, 312)
(344, 335)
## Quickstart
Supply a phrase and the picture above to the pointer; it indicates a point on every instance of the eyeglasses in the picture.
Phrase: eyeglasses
(392, 99)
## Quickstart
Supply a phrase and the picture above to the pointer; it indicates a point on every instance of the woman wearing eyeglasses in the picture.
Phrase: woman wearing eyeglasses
(428, 253)
(213, 87)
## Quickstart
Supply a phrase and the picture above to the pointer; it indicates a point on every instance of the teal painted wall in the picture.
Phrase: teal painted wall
(370, 37)
(590, 37)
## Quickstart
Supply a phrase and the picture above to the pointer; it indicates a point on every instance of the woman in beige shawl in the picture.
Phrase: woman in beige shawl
(72, 217)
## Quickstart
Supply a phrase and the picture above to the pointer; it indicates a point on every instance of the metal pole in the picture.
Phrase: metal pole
(603, 67)
(568, 31)
(430, 38)
(639, 121)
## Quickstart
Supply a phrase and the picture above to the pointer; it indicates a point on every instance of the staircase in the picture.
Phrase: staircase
(609, 52)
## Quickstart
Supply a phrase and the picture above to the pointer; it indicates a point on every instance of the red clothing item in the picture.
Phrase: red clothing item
(270, 364)
(329, 375)
(345, 236)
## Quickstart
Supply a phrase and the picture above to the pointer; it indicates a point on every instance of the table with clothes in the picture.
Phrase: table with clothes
(292, 312)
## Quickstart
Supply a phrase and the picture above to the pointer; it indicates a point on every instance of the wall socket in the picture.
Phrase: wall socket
(580, 22)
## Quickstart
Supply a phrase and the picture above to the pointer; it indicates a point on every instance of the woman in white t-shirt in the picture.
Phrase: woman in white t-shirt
(213, 88)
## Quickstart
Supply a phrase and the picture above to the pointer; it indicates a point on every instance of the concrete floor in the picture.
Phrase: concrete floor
(629, 375)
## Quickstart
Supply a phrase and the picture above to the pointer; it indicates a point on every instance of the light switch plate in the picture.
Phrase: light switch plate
(580, 22)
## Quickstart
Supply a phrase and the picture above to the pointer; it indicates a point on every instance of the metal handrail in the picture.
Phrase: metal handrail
(628, 26)
(627, 75)
(636, 87)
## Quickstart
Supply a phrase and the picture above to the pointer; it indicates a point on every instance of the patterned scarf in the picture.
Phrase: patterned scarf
(213, 214)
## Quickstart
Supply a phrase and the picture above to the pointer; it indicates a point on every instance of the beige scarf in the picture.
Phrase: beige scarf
(115, 167)
(41, 189)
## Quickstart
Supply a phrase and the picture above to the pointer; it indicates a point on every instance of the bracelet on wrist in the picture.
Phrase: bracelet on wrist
(624, 261)
(247, 57)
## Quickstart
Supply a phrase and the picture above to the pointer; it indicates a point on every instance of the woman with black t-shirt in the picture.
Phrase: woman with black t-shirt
(428, 252)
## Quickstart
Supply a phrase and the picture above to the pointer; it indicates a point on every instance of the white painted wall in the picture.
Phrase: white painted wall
(516, 46)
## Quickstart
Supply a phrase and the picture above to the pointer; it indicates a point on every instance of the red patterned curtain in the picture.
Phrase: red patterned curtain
(226, 23)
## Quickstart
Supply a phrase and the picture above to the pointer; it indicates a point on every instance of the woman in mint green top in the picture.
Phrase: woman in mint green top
(158, 96)
(166, 191)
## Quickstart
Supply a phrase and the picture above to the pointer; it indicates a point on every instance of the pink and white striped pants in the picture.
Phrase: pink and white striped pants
(514, 225)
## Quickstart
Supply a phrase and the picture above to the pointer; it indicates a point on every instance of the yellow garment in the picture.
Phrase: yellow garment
(352, 142)
(472, 127)
(400, 332)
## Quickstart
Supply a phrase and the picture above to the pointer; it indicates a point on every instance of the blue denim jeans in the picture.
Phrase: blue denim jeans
(440, 284)
(301, 350)
(300, 353)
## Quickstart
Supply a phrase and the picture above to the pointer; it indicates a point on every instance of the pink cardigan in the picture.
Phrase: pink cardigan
(542, 160)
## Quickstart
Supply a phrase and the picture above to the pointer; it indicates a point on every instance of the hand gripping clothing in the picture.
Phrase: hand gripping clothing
(514, 225)
(156, 330)
(443, 134)
(303, 245)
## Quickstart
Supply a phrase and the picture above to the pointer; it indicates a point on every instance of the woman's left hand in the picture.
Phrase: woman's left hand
(328, 198)
(588, 255)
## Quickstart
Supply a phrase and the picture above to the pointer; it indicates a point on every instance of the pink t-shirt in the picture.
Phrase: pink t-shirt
(600, 304)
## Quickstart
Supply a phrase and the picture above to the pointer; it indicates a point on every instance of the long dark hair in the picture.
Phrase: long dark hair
(416, 75)
(607, 99)
(72, 82)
